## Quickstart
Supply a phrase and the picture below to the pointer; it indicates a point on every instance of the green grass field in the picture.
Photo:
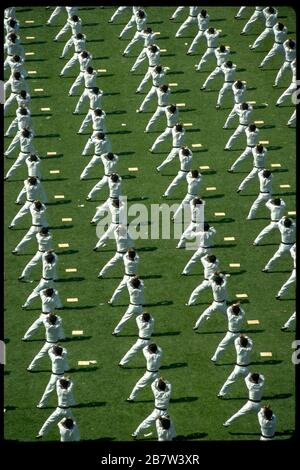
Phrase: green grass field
(101, 390)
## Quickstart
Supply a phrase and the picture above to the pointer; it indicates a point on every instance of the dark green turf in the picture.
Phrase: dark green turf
(101, 391)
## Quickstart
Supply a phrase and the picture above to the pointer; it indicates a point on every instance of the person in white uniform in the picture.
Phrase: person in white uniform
(54, 332)
(158, 74)
(95, 96)
(197, 207)
(287, 228)
(176, 13)
(267, 422)
(163, 98)
(243, 346)
(98, 119)
(276, 207)
(136, 301)
(172, 115)
(65, 398)
(33, 163)
(212, 36)
(90, 77)
(131, 23)
(194, 180)
(204, 240)
(162, 390)
(122, 243)
(38, 220)
(235, 315)
(68, 430)
(203, 19)
(79, 41)
(280, 36)
(44, 241)
(252, 135)
(178, 137)
(244, 111)
(289, 322)
(103, 154)
(116, 209)
(22, 121)
(265, 191)
(131, 261)
(59, 362)
(222, 52)
(70, 12)
(255, 384)
(191, 20)
(152, 354)
(119, 11)
(149, 38)
(292, 88)
(145, 324)
(165, 429)
(141, 21)
(31, 189)
(239, 91)
(153, 56)
(26, 148)
(258, 14)
(259, 163)
(270, 15)
(292, 277)
(229, 71)
(290, 55)
(114, 185)
(211, 265)
(240, 13)
(56, 12)
(219, 290)
(185, 159)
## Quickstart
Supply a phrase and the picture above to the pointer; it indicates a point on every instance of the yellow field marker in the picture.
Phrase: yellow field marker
(77, 332)
(123, 124)
(163, 50)
(102, 70)
(259, 122)
(63, 245)
(211, 188)
(59, 196)
(229, 239)
(71, 270)
(253, 322)
(284, 185)
(51, 154)
(134, 168)
(54, 172)
(251, 102)
(195, 146)
(45, 109)
(234, 265)
(83, 363)
(29, 21)
(292, 213)
(219, 214)
(29, 53)
(32, 72)
(66, 219)
(72, 299)
(241, 296)
(29, 37)
(275, 165)
(204, 167)
(266, 354)
(188, 124)
(180, 105)
(39, 89)
(266, 142)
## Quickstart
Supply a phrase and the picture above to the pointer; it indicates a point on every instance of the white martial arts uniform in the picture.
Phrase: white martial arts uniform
(84, 63)
(49, 275)
(163, 98)
(185, 167)
(221, 59)
(191, 20)
(290, 56)
(149, 39)
(252, 141)
(234, 327)
(144, 336)
(158, 79)
(276, 212)
(153, 60)
(239, 97)
(38, 220)
(204, 239)
(219, 302)
(98, 126)
(288, 238)
(54, 333)
(229, 78)
(152, 370)
(44, 244)
(172, 119)
(270, 19)
(59, 367)
(193, 189)
(165, 434)
(203, 23)
(79, 46)
(212, 41)
(26, 148)
(292, 88)
(114, 193)
(258, 14)
(131, 266)
(265, 193)
(290, 321)
(108, 165)
(209, 270)
(89, 83)
(95, 102)
(197, 218)
(280, 37)
(177, 143)
(259, 163)
(135, 307)
(139, 34)
(32, 193)
(68, 435)
(123, 241)
(267, 426)
(292, 277)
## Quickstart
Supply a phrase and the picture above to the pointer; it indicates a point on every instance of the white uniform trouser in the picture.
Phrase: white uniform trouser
(271, 226)
(196, 40)
(262, 197)
(231, 115)
(28, 236)
(42, 353)
(89, 142)
(43, 284)
(290, 321)
(292, 120)
(185, 203)
(188, 233)
(67, 47)
(285, 66)
(33, 262)
(98, 186)
(256, 15)
(235, 374)
(57, 414)
(188, 22)
(147, 378)
(217, 71)
(246, 153)
(240, 12)
(21, 159)
(194, 259)
(69, 64)
(49, 388)
(281, 250)
(100, 210)
(151, 94)
(210, 51)
(118, 13)
(122, 285)
(205, 284)
(139, 60)
(78, 81)
(177, 12)
(181, 176)
(131, 310)
(62, 31)
(214, 307)
(35, 325)
(288, 92)
(88, 118)
(288, 283)
(84, 97)
(135, 348)
(55, 14)
(239, 130)
(13, 126)
(227, 87)
(131, 23)
(276, 49)
(23, 211)
(224, 343)
(249, 177)
(173, 154)
(147, 77)
(266, 32)
(160, 110)
(118, 256)
(136, 38)
(150, 420)
(13, 143)
(12, 97)
(249, 406)
(162, 137)
(108, 234)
